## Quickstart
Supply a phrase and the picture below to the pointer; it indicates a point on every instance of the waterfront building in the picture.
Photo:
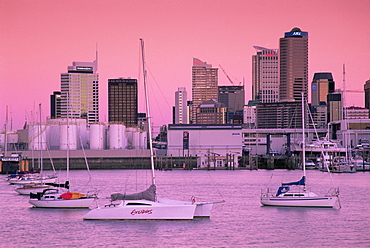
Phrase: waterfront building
(211, 112)
(265, 75)
(322, 84)
(55, 105)
(80, 91)
(204, 85)
(367, 94)
(181, 108)
(293, 65)
(233, 98)
(123, 101)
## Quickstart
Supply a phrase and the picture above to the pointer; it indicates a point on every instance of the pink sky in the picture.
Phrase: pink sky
(39, 39)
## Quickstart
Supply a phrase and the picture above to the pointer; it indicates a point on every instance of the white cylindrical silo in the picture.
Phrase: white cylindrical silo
(143, 140)
(68, 137)
(136, 138)
(37, 137)
(97, 136)
(116, 135)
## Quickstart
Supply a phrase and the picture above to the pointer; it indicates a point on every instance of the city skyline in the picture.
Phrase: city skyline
(36, 46)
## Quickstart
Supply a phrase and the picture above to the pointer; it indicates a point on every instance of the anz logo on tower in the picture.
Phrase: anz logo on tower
(297, 34)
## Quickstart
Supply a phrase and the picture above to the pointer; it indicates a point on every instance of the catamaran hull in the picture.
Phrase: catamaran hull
(323, 202)
(202, 209)
(154, 211)
(62, 203)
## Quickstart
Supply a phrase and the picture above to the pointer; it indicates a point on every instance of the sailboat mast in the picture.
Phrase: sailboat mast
(148, 112)
(303, 138)
(40, 144)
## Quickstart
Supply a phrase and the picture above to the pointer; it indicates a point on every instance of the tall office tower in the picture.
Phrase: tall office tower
(265, 75)
(123, 101)
(181, 110)
(322, 85)
(233, 98)
(80, 91)
(55, 105)
(334, 103)
(367, 94)
(204, 85)
(293, 65)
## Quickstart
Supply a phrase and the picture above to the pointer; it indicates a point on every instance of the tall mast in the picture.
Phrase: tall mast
(303, 138)
(40, 144)
(148, 112)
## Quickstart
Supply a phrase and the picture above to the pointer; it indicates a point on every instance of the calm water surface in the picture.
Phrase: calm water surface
(239, 222)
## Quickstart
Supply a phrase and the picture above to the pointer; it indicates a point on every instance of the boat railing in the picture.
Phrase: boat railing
(333, 192)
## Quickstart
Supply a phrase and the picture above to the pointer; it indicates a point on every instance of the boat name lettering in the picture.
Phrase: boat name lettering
(144, 211)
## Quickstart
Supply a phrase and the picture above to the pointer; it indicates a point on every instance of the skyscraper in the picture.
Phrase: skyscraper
(293, 65)
(322, 85)
(80, 91)
(55, 105)
(181, 110)
(123, 101)
(265, 75)
(233, 98)
(204, 84)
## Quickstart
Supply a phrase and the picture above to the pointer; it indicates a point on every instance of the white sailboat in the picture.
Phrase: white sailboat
(299, 196)
(40, 184)
(55, 198)
(145, 205)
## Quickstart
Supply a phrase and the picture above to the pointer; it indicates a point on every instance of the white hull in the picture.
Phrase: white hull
(142, 210)
(202, 210)
(62, 203)
(305, 201)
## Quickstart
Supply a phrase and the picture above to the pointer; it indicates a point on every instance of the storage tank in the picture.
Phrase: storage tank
(136, 138)
(68, 134)
(97, 136)
(143, 140)
(36, 137)
(117, 136)
(53, 136)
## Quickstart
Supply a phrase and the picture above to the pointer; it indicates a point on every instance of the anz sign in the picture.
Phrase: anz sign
(300, 34)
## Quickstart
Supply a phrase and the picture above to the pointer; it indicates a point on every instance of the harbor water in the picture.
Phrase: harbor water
(240, 221)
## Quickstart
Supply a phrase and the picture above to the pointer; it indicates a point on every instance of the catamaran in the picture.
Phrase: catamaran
(296, 194)
(145, 205)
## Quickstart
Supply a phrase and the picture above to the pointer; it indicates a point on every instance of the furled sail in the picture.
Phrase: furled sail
(300, 182)
(148, 194)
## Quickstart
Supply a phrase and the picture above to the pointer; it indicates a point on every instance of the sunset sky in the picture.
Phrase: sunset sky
(39, 39)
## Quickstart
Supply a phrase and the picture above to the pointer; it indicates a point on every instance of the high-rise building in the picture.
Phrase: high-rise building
(293, 65)
(123, 101)
(204, 84)
(55, 105)
(233, 98)
(334, 102)
(265, 75)
(322, 85)
(181, 110)
(80, 91)
(211, 112)
(367, 94)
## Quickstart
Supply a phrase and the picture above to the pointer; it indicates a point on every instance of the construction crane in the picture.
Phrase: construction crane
(231, 81)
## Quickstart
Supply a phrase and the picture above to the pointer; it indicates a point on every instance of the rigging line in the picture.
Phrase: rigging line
(159, 88)
(217, 188)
